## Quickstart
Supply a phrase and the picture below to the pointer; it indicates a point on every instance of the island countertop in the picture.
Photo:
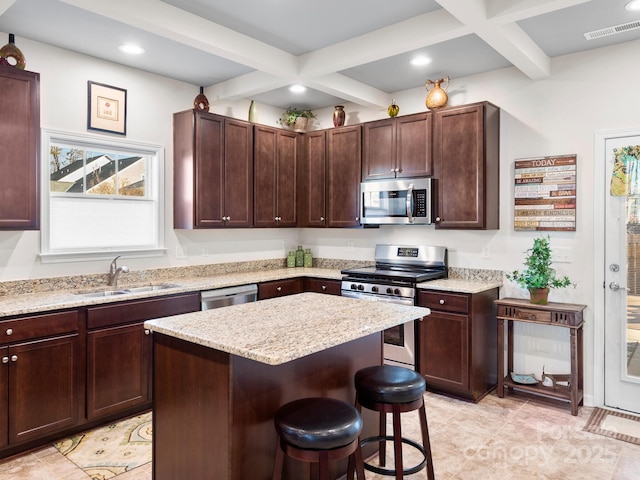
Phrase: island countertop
(279, 330)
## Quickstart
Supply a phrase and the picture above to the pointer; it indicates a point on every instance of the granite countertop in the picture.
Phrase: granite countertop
(283, 329)
(460, 285)
(61, 298)
(21, 304)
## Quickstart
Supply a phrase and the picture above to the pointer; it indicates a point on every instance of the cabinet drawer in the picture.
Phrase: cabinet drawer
(320, 285)
(36, 326)
(449, 302)
(141, 310)
(279, 288)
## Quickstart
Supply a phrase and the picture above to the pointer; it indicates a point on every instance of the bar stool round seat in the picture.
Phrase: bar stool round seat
(395, 390)
(318, 430)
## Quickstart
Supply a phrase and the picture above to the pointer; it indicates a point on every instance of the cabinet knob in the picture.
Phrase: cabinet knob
(14, 358)
(228, 218)
(441, 301)
(147, 332)
(5, 359)
(279, 289)
(9, 331)
(393, 170)
(357, 219)
(437, 219)
(324, 287)
(322, 219)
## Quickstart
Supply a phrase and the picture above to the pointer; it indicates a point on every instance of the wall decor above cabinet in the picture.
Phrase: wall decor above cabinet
(213, 171)
(397, 147)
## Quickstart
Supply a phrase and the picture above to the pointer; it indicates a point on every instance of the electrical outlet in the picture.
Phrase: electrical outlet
(205, 250)
(486, 252)
(181, 252)
(561, 254)
(350, 247)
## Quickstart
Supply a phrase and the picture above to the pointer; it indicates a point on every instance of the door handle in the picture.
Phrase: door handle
(615, 286)
(408, 202)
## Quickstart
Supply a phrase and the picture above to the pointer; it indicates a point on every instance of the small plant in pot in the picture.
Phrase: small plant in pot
(539, 276)
(296, 118)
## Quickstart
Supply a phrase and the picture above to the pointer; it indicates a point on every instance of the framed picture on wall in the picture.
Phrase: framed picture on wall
(107, 108)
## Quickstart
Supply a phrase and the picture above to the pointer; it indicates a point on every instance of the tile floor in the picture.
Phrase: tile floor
(514, 438)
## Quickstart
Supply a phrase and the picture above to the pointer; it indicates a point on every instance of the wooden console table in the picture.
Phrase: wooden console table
(554, 314)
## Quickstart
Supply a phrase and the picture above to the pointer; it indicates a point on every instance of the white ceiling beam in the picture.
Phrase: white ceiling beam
(417, 32)
(349, 89)
(244, 86)
(5, 4)
(504, 11)
(508, 39)
(170, 22)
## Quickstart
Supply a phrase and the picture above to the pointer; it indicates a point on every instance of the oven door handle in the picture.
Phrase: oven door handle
(409, 201)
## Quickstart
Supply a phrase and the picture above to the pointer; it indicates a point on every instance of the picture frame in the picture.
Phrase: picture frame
(106, 108)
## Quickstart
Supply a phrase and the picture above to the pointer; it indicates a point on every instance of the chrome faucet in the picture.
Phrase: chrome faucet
(115, 271)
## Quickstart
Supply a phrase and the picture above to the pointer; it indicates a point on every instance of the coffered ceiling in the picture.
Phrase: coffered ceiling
(341, 50)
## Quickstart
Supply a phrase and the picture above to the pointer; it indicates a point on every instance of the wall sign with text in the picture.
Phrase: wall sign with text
(545, 193)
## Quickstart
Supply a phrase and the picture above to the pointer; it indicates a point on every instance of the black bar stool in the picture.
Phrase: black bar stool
(391, 389)
(318, 430)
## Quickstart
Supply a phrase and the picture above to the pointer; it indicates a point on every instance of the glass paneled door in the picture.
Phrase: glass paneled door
(622, 273)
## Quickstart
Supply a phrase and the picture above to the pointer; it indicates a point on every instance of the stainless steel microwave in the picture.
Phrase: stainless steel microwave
(401, 201)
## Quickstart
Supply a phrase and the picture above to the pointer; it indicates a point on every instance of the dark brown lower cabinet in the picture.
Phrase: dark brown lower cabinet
(457, 348)
(119, 376)
(119, 352)
(322, 285)
(41, 377)
(280, 288)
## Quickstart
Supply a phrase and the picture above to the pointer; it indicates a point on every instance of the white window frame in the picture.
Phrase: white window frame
(154, 192)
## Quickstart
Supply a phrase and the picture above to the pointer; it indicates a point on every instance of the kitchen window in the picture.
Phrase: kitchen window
(101, 198)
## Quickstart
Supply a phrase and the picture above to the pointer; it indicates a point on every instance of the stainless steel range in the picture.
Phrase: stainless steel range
(393, 278)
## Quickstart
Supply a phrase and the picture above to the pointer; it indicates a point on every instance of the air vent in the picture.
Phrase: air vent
(605, 32)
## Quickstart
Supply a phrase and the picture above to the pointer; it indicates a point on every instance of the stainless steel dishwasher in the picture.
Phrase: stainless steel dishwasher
(223, 297)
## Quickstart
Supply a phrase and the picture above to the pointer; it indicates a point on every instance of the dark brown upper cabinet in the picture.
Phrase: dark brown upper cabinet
(275, 162)
(397, 147)
(344, 158)
(20, 153)
(213, 171)
(312, 180)
(466, 165)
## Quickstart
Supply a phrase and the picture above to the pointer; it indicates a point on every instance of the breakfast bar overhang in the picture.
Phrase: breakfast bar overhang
(220, 375)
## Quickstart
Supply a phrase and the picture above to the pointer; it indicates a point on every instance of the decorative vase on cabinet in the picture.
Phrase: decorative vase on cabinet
(338, 116)
(437, 96)
(253, 112)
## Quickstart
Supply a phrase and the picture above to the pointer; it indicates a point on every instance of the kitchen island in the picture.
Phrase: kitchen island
(220, 375)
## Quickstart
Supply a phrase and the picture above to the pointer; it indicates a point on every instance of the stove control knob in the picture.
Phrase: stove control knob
(397, 291)
(374, 289)
(354, 286)
(361, 287)
(389, 290)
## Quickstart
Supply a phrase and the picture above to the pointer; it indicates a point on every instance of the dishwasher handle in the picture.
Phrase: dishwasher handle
(225, 297)
(228, 291)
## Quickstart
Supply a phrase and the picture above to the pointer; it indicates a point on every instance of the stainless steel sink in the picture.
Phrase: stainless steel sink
(106, 293)
(150, 288)
(128, 290)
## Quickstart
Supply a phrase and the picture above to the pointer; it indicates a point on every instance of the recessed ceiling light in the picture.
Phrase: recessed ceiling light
(420, 61)
(633, 5)
(131, 49)
(297, 88)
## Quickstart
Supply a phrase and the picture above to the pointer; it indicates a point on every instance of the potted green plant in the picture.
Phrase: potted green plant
(296, 118)
(539, 276)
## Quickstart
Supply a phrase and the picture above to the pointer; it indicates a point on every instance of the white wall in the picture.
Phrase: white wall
(586, 93)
